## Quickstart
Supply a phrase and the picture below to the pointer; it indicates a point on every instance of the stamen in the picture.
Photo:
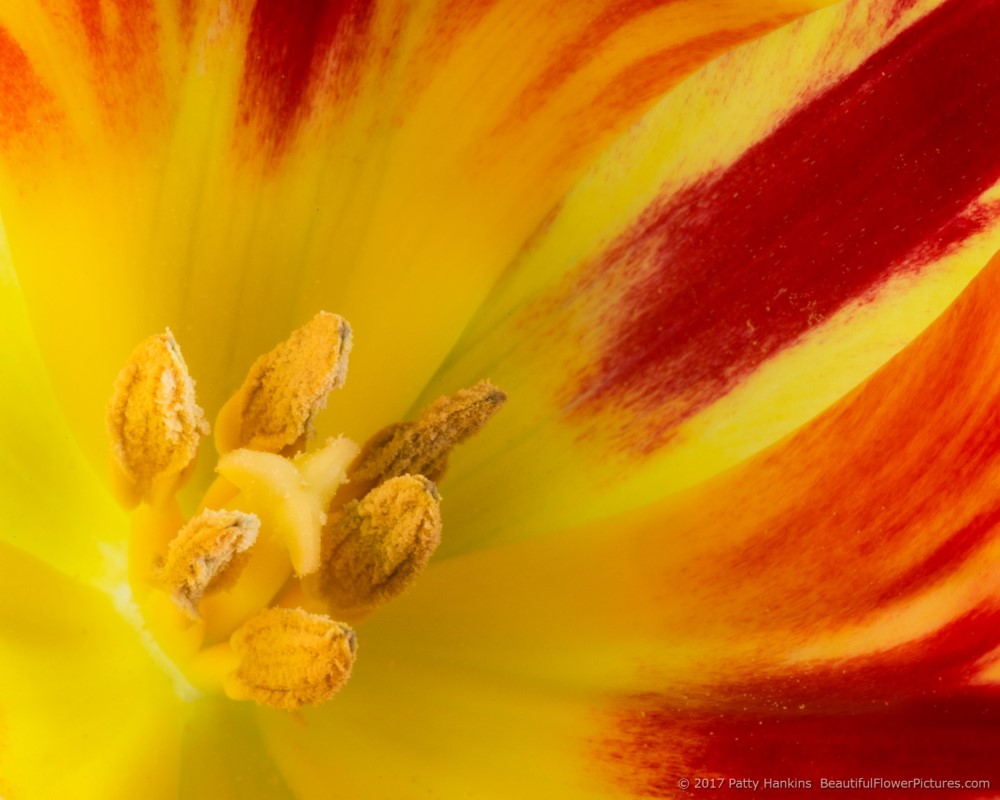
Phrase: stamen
(377, 546)
(154, 422)
(273, 410)
(422, 447)
(290, 658)
(302, 541)
(206, 555)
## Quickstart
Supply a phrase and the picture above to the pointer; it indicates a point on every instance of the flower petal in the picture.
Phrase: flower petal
(776, 229)
(841, 583)
(66, 661)
(229, 168)
(51, 502)
(223, 756)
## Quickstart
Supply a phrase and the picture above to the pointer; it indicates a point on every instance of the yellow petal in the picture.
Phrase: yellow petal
(407, 729)
(52, 503)
(224, 757)
(67, 660)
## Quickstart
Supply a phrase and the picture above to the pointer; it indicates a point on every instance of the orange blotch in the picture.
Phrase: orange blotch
(27, 111)
(122, 38)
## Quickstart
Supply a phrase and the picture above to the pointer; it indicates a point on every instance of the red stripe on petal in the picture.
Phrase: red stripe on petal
(291, 49)
(911, 712)
(864, 181)
(26, 110)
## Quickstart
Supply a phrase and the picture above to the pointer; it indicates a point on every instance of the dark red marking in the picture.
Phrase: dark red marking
(288, 47)
(911, 712)
(860, 182)
(26, 110)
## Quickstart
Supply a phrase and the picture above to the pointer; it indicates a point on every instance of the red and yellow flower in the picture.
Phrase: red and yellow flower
(729, 260)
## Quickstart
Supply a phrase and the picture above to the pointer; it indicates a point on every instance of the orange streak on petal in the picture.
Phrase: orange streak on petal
(26, 105)
(122, 39)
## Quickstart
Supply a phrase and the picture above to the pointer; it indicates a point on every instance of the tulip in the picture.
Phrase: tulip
(731, 264)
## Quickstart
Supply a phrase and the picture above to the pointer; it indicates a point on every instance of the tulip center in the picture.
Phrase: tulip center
(256, 593)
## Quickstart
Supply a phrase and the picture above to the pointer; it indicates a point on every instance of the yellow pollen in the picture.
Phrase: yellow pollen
(422, 447)
(154, 423)
(290, 658)
(273, 410)
(206, 555)
(377, 546)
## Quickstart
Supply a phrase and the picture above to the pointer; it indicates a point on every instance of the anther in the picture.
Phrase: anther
(154, 422)
(422, 447)
(273, 410)
(206, 555)
(376, 547)
(289, 658)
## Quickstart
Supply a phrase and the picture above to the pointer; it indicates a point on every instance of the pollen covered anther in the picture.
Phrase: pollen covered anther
(207, 554)
(289, 658)
(377, 546)
(273, 410)
(154, 422)
(422, 447)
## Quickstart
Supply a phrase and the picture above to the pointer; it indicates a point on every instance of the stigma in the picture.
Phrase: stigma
(255, 592)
